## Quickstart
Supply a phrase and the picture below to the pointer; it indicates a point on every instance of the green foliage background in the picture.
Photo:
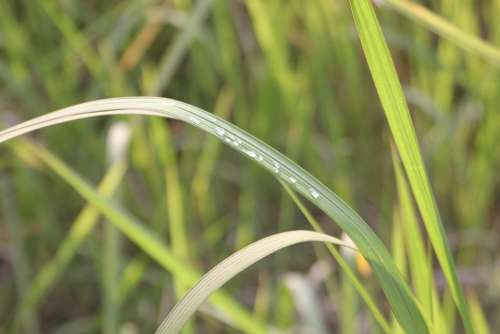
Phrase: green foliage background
(292, 73)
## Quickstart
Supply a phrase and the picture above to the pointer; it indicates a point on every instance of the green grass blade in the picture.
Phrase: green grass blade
(397, 291)
(420, 265)
(117, 144)
(445, 29)
(174, 192)
(110, 265)
(396, 110)
(149, 243)
(209, 155)
(20, 263)
(79, 231)
(356, 283)
(173, 56)
(232, 266)
(131, 276)
(478, 317)
(73, 37)
(161, 138)
(419, 269)
(398, 251)
(107, 74)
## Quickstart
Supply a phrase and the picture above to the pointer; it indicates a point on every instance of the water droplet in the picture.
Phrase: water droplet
(276, 167)
(260, 158)
(314, 193)
(194, 120)
(237, 142)
(251, 154)
(292, 179)
(219, 131)
(227, 140)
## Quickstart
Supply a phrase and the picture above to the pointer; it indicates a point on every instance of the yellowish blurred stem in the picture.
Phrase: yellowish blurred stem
(445, 29)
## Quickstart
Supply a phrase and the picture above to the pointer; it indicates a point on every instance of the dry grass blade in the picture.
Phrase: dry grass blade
(229, 268)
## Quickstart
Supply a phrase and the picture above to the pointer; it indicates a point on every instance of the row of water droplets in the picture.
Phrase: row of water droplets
(215, 127)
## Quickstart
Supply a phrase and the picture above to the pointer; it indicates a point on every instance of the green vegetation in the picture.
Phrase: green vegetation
(108, 222)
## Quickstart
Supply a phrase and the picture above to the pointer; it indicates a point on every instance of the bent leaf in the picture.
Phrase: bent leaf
(403, 303)
(232, 266)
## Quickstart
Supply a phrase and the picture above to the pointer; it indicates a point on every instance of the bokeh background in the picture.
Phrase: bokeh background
(292, 73)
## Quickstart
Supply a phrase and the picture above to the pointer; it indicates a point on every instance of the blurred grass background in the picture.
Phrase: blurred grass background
(290, 72)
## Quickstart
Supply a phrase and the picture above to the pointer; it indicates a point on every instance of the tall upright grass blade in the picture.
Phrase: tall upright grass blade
(419, 259)
(19, 259)
(209, 156)
(398, 251)
(447, 30)
(229, 268)
(173, 56)
(418, 267)
(117, 144)
(397, 291)
(394, 104)
(161, 138)
(478, 317)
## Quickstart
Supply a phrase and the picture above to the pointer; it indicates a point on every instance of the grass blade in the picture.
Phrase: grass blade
(400, 123)
(445, 29)
(478, 317)
(173, 56)
(151, 245)
(79, 231)
(21, 265)
(208, 157)
(232, 266)
(117, 145)
(356, 283)
(418, 262)
(397, 291)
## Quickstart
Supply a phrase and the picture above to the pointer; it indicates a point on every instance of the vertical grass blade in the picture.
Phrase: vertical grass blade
(79, 231)
(398, 251)
(173, 56)
(117, 144)
(478, 317)
(418, 268)
(394, 104)
(15, 230)
(208, 158)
